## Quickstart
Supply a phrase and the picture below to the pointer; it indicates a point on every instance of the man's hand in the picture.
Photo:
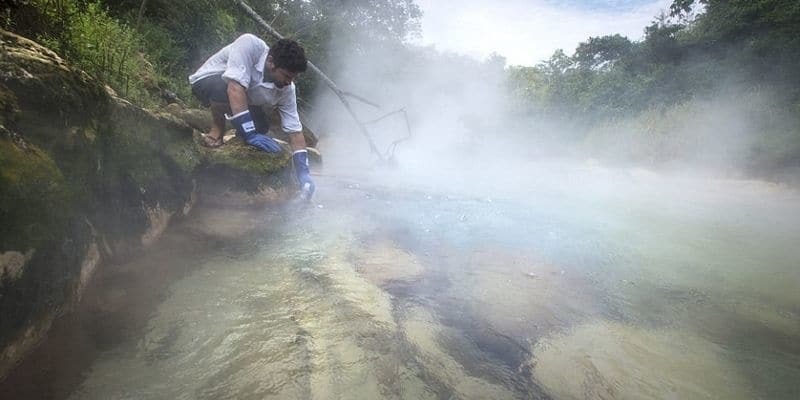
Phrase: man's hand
(264, 142)
(246, 129)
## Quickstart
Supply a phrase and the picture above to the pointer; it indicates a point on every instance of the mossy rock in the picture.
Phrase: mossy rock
(239, 167)
(143, 138)
(47, 89)
(199, 119)
(9, 110)
(34, 200)
(245, 158)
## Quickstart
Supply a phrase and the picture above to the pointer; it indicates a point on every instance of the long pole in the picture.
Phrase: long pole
(339, 92)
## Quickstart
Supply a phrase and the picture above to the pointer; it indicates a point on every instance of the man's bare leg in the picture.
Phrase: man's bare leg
(218, 111)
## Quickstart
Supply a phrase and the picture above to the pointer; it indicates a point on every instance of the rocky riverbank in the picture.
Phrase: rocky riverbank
(87, 178)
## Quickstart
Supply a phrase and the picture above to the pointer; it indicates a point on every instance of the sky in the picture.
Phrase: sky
(529, 31)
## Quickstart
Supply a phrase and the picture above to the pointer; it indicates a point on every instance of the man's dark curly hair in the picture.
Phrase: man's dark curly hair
(287, 54)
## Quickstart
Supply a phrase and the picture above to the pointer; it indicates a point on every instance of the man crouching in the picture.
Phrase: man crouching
(241, 83)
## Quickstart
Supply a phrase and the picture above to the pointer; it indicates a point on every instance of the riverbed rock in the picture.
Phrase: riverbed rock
(383, 262)
(611, 360)
(540, 303)
(426, 334)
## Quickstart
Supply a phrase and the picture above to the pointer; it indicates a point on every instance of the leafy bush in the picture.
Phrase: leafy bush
(84, 33)
(109, 50)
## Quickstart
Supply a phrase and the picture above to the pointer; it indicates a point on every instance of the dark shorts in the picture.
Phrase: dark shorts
(214, 89)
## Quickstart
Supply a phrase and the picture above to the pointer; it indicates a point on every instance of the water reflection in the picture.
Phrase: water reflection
(385, 293)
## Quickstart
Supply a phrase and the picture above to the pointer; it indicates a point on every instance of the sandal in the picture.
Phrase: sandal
(212, 142)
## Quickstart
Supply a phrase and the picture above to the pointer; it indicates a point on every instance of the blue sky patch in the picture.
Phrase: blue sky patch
(600, 5)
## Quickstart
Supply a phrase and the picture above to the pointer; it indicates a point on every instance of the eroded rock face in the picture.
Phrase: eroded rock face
(86, 178)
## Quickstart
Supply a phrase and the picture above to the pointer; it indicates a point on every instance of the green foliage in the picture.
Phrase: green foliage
(601, 53)
(109, 50)
(84, 33)
(749, 130)
(143, 47)
(749, 43)
(33, 195)
(321, 26)
(703, 49)
(45, 20)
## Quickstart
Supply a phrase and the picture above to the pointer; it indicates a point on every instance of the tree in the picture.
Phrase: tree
(661, 41)
(558, 64)
(602, 53)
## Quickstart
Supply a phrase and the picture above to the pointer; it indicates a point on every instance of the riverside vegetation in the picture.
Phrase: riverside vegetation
(728, 65)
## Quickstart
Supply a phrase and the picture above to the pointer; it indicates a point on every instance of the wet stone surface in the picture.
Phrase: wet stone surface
(413, 295)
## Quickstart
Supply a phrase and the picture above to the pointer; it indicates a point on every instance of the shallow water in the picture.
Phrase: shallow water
(649, 288)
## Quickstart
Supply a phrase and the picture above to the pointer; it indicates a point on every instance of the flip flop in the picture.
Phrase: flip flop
(212, 142)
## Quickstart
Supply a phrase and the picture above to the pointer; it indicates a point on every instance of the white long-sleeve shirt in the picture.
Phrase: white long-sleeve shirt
(243, 61)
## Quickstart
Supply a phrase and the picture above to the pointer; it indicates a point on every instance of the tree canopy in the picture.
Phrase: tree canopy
(699, 47)
(141, 47)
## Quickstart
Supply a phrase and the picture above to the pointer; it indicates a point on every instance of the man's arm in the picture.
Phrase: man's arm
(237, 97)
(300, 162)
(243, 121)
(290, 123)
(296, 138)
(290, 120)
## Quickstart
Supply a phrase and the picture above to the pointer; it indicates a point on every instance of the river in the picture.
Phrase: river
(582, 282)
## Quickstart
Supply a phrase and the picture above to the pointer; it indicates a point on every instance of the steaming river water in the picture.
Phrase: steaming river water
(650, 288)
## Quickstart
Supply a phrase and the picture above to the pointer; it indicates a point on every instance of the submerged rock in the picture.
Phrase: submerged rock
(383, 262)
(609, 360)
(422, 330)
